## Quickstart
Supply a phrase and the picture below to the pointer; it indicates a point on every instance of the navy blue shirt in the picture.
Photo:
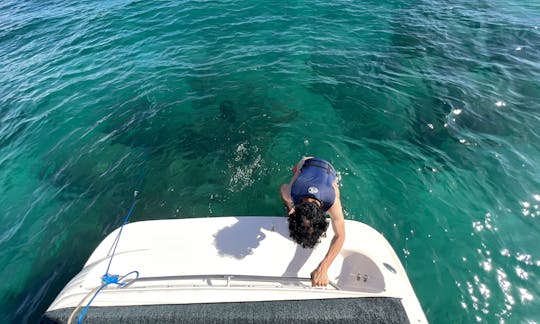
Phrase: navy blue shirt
(315, 181)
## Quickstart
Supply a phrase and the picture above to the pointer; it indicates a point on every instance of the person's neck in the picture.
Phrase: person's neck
(309, 199)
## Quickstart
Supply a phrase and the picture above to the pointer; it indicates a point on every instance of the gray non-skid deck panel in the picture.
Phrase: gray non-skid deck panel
(341, 310)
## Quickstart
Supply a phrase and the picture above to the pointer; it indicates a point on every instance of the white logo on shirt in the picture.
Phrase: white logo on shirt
(313, 190)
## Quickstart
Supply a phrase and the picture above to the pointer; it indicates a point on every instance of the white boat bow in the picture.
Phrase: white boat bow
(192, 267)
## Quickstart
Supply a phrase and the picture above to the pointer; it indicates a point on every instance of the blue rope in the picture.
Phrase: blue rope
(126, 219)
(108, 279)
(81, 316)
(117, 239)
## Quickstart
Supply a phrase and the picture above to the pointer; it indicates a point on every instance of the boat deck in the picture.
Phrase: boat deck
(237, 260)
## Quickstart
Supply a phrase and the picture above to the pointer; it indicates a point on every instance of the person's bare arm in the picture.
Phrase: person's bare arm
(285, 188)
(319, 277)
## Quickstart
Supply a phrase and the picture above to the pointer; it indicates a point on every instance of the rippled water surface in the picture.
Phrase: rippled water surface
(430, 111)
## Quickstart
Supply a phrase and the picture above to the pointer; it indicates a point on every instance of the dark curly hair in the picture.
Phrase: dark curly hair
(307, 224)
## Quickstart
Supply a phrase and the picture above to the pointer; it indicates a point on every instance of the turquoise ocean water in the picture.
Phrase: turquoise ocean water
(429, 110)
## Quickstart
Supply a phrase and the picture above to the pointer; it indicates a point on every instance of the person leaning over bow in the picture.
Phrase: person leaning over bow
(311, 193)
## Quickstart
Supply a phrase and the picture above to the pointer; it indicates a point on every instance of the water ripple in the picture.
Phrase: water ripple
(428, 110)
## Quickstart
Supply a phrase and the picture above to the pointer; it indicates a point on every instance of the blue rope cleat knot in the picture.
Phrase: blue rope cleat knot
(110, 279)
